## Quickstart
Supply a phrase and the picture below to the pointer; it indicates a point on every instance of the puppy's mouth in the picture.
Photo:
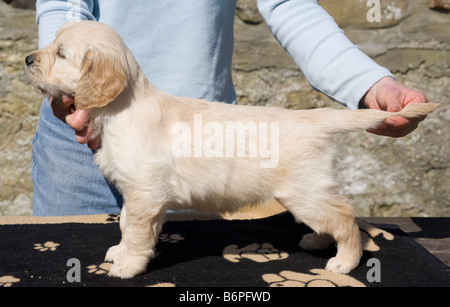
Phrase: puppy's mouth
(33, 77)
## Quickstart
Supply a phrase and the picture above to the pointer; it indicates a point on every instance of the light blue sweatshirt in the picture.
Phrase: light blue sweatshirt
(185, 47)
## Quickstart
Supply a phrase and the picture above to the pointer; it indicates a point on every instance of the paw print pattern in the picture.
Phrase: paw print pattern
(368, 232)
(170, 238)
(113, 218)
(317, 278)
(260, 253)
(8, 281)
(47, 246)
(99, 269)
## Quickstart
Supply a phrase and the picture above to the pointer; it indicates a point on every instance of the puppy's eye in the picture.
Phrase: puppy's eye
(60, 55)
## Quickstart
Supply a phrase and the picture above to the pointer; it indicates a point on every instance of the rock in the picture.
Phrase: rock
(19, 109)
(403, 60)
(440, 5)
(248, 12)
(17, 206)
(22, 4)
(366, 14)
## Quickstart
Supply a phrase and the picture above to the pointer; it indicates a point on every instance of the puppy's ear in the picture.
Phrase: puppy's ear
(103, 78)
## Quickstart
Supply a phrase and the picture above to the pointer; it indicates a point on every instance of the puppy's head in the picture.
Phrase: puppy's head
(87, 60)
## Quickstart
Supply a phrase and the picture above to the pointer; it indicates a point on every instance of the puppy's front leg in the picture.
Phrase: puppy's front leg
(118, 251)
(140, 229)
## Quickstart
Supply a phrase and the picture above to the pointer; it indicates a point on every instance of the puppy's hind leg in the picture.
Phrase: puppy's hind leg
(314, 241)
(331, 219)
(345, 231)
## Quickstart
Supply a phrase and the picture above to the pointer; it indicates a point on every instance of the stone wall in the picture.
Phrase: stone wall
(19, 109)
(385, 177)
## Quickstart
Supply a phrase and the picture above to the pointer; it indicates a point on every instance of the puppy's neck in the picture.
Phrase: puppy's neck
(138, 97)
(138, 87)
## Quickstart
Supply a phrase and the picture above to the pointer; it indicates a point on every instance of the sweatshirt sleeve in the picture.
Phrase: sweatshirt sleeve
(52, 14)
(330, 62)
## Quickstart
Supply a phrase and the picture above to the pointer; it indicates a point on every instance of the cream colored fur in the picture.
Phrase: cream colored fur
(136, 121)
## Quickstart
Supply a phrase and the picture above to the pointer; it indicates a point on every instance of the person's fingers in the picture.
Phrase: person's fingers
(95, 143)
(395, 132)
(58, 108)
(62, 107)
(397, 122)
(68, 101)
(78, 120)
(83, 136)
(81, 123)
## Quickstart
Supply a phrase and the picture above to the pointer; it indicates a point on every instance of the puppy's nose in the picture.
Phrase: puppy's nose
(29, 60)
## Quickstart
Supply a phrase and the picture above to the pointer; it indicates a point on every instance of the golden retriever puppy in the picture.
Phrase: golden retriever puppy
(169, 153)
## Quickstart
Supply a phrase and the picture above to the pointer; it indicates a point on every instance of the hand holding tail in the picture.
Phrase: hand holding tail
(389, 95)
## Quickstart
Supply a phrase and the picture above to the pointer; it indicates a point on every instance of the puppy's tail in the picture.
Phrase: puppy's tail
(345, 120)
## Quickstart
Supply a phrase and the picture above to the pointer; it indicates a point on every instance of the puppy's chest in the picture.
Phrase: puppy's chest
(104, 160)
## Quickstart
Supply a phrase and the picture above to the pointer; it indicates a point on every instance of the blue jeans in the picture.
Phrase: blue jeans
(66, 180)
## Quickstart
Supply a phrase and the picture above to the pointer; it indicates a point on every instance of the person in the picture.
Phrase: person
(185, 49)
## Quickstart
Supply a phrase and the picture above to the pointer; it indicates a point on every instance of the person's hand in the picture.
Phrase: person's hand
(389, 95)
(79, 120)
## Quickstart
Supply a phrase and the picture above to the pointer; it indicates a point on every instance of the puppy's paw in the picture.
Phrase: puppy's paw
(313, 241)
(115, 253)
(337, 265)
(129, 266)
